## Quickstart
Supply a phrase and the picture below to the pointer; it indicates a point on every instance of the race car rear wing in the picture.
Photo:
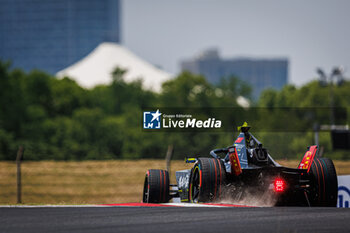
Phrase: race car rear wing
(308, 158)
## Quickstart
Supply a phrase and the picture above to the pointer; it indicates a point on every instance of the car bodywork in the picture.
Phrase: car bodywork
(250, 168)
(246, 169)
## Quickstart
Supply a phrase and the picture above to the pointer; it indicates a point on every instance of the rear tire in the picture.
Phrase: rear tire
(207, 180)
(324, 190)
(156, 186)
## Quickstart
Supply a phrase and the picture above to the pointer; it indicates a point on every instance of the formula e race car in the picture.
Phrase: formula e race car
(247, 170)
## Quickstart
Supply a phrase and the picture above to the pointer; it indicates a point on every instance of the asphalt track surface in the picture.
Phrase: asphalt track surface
(173, 219)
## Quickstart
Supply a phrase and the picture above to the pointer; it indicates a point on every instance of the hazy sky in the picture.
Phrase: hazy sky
(310, 33)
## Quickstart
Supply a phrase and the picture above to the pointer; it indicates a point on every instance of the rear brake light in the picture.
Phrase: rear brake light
(279, 185)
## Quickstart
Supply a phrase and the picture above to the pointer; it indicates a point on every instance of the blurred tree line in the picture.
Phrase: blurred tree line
(57, 119)
(310, 95)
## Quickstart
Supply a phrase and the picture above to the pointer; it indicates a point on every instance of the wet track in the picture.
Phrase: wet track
(173, 219)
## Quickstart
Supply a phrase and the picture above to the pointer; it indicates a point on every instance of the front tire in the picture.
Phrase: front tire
(207, 180)
(324, 190)
(156, 186)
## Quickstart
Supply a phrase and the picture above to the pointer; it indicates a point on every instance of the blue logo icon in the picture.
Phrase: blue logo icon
(343, 197)
(151, 120)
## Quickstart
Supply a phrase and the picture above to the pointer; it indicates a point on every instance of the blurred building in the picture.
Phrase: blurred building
(53, 34)
(260, 73)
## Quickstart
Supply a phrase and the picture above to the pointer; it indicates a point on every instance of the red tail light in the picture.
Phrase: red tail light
(279, 185)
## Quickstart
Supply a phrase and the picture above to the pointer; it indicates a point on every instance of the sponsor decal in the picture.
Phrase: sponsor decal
(184, 181)
(239, 140)
(308, 158)
(235, 165)
(343, 197)
(343, 191)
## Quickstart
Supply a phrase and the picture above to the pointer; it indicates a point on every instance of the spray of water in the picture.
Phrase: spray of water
(250, 196)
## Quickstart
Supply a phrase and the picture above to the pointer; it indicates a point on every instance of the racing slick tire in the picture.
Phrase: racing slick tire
(208, 177)
(156, 186)
(324, 190)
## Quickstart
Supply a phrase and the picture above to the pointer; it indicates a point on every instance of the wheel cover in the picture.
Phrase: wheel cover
(195, 186)
(145, 198)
